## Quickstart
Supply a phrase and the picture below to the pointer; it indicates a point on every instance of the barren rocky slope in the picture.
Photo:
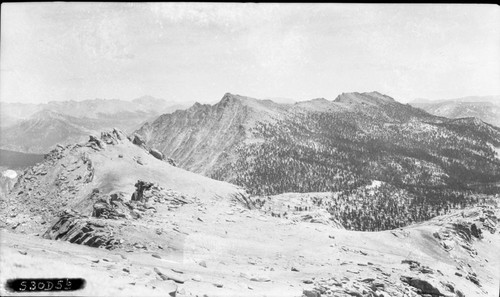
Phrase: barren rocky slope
(219, 248)
(203, 136)
(109, 166)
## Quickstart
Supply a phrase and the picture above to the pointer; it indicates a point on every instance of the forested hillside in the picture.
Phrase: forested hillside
(336, 146)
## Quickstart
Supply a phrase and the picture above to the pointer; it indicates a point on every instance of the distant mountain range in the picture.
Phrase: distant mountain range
(485, 108)
(36, 128)
(325, 145)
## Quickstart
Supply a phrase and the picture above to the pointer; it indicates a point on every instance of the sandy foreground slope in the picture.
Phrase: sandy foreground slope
(248, 254)
(213, 244)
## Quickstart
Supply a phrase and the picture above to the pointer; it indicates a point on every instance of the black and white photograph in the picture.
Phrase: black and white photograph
(249, 149)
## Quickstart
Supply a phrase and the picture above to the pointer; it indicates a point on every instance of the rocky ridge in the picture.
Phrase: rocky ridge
(63, 195)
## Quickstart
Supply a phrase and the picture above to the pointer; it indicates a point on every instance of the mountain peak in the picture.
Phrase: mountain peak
(370, 98)
(379, 95)
(228, 97)
(147, 99)
(195, 107)
(319, 99)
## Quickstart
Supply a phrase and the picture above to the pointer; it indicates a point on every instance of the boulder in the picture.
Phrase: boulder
(426, 269)
(118, 134)
(109, 138)
(80, 230)
(260, 279)
(448, 245)
(95, 142)
(310, 293)
(170, 276)
(476, 232)
(140, 187)
(137, 140)
(109, 207)
(157, 154)
(353, 293)
(171, 162)
(411, 262)
(426, 286)
(473, 278)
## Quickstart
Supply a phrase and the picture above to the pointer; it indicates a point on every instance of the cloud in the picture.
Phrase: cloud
(200, 50)
(229, 16)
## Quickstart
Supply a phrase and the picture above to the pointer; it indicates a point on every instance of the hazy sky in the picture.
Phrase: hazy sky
(198, 52)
